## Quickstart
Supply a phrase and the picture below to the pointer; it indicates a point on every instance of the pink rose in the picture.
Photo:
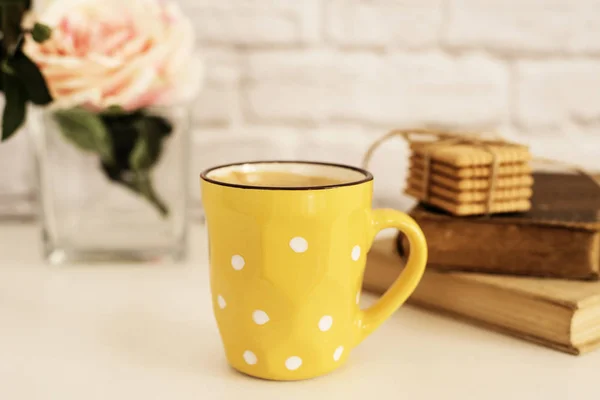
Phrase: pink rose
(130, 53)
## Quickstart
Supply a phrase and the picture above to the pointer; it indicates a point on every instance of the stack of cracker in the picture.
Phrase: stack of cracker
(465, 178)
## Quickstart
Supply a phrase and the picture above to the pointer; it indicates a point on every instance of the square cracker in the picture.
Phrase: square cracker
(475, 208)
(416, 175)
(473, 196)
(465, 155)
(520, 168)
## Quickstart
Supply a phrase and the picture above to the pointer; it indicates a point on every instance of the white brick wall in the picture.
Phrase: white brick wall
(320, 79)
(552, 93)
(256, 22)
(383, 23)
(524, 27)
(321, 86)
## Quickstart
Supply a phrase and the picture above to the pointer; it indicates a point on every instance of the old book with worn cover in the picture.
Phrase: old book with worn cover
(559, 237)
(560, 314)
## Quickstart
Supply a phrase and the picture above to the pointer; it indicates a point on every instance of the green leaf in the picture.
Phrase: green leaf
(137, 141)
(159, 125)
(32, 78)
(15, 108)
(7, 69)
(143, 154)
(148, 146)
(86, 130)
(139, 182)
(12, 32)
(114, 110)
(143, 185)
(40, 32)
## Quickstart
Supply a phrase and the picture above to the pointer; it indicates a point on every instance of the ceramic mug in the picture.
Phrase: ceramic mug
(286, 267)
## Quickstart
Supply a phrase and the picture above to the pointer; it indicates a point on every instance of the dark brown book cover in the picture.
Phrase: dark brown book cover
(559, 236)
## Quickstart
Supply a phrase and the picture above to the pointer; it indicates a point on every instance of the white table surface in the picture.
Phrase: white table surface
(126, 332)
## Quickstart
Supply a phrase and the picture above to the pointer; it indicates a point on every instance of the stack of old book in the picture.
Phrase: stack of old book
(533, 274)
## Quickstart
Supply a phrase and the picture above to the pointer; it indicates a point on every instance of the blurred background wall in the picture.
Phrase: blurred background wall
(321, 79)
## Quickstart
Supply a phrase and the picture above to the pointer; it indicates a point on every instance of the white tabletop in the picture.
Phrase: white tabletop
(126, 332)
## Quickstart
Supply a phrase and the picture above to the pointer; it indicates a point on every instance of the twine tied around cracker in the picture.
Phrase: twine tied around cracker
(446, 139)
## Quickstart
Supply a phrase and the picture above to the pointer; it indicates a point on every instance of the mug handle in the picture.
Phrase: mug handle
(368, 320)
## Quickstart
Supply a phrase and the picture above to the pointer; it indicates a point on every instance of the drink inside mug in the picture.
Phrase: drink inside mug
(287, 175)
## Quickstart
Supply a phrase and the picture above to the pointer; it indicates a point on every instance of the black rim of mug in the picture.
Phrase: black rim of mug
(367, 175)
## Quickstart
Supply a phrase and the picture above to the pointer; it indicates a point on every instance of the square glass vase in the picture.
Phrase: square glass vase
(118, 194)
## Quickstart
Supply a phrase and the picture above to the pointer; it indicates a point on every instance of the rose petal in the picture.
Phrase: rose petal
(104, 61)
(131, 90)
(92, 96)
(133, 47)
(147, 99)
(110, 44)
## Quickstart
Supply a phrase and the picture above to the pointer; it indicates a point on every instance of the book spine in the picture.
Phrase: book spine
(510, 249)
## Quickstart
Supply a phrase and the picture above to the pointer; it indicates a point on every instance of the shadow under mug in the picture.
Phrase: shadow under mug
(287, 263)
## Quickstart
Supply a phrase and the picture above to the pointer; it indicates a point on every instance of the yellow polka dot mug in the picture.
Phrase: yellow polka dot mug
(287, 262)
